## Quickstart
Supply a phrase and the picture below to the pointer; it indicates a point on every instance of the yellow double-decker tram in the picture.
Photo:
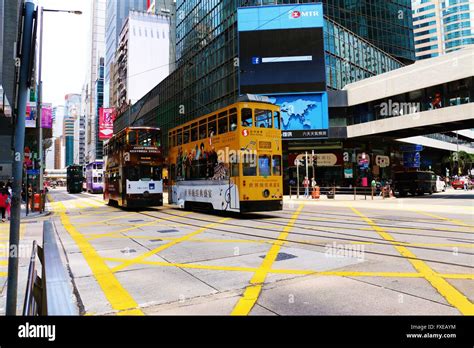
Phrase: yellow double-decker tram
(228, 160)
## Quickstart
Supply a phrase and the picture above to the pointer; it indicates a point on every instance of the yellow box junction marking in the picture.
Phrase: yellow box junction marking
(166, 246)
(449, 292)
(455, 221)
(115, 293)
(251, 293)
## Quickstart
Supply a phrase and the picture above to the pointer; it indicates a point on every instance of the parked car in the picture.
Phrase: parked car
(459, 183)
(440, 184)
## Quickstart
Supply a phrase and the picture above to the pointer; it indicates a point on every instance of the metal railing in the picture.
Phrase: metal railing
(50, 294)
(332, 191)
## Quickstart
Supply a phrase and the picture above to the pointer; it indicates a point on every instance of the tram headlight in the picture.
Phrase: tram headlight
(266, 193)
(146, 194)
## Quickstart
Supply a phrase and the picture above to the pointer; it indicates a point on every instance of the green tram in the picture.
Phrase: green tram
(75, 179)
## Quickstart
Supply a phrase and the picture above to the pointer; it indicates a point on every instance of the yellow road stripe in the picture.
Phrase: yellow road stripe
(102, 221)
(166, 246)
(115, 293)
(3, 274)
(158, 219)
(455, 221)
(449, 292)
(458, 276)
(250, 296)
(277, 271)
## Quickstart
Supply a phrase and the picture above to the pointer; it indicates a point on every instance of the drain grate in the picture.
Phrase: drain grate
(29, 222)
(136, 220)
(282, 256)
(156, 240)
(128, 251)
(167, 231)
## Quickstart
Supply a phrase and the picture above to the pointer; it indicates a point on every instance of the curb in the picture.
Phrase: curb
(46, 213)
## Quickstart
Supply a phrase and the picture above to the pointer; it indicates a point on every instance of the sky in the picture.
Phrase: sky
(65, 43)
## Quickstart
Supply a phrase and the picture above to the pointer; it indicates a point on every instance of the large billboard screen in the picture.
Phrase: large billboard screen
(281, 49)
(303, 115)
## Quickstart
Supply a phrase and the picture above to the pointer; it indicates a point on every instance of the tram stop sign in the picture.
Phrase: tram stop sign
(298, 163)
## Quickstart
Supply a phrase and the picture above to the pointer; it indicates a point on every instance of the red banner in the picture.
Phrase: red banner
(106, 123)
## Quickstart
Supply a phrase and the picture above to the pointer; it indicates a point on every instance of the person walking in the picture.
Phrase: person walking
(306, 187)
(3, 202)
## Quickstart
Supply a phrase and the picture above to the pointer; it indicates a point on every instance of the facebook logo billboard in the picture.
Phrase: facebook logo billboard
(281, 55)
(281, 49)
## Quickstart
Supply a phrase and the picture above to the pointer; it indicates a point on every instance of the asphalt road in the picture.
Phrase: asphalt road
(411, 256)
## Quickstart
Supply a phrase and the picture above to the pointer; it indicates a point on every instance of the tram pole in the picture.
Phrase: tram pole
(23, 92)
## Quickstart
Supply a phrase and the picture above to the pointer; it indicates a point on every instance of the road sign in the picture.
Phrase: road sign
(411, 148)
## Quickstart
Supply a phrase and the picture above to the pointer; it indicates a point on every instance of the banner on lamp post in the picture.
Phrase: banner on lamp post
(46, 117)
(106, 123)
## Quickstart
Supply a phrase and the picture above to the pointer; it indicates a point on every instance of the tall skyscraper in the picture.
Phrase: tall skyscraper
(442, 26)
(69, 140)
(116, 13)
(90, 91)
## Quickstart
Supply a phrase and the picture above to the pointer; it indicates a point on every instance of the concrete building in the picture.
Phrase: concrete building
(142, 57)
(90, 91)
(80, 139)
(442, 26)
(115, 16)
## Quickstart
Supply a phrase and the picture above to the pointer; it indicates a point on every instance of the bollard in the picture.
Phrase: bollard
(355, 193)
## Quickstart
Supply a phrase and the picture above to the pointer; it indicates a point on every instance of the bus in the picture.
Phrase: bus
(133, 168)
(416, 182)
(94, 177)
(228, 160)
(74, 178)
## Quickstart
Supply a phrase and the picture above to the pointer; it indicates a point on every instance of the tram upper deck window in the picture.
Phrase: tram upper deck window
(276, 165)
(186, 135)
(180, 137)
(132, 137)
(203, 129)
(263, 118)
(223, 123)
(233, 119)
(246, 118)
(145, 138)
(212, 125)
(276, 120)
(264, 165)
(194, 132)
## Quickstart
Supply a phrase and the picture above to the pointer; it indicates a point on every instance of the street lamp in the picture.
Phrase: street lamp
(40, 89)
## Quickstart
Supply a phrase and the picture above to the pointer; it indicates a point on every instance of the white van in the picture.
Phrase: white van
(440, 184)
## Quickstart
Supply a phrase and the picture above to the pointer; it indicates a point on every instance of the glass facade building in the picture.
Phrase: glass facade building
(207, 72)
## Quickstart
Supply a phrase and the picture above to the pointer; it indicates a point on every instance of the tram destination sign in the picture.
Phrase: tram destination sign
(305, 134)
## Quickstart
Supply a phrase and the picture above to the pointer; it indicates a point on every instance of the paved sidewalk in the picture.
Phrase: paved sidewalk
(31, 229)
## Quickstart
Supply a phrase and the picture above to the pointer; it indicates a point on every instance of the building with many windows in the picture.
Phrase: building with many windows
(442, 26)
(206, 77)
(90, 91)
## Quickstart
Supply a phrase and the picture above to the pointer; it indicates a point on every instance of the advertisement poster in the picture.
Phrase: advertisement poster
(46, 117)
(106, 123)
(30, 118)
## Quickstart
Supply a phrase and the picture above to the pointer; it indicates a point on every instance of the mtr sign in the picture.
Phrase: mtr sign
(299, 14)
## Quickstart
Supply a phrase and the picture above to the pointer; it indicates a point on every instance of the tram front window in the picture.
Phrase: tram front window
(144, 173)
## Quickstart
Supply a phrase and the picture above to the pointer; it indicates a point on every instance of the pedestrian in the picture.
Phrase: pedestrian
(373, 185)
(313, 183)
(3, 202)
(306, 187)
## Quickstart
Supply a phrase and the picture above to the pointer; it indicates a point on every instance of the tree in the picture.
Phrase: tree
(461, 160)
